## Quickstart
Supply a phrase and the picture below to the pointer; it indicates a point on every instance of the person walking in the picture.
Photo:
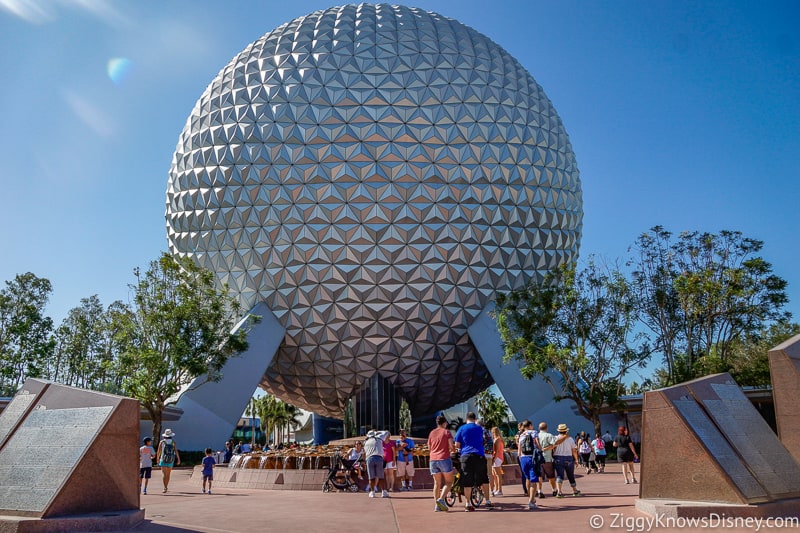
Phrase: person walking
(599, 446)
(498, 454)
(168, 456)
(208, 470)
(528, 442)
(441, 446)
(548, 443)
(373, 450)
(469, 442)
(585, 452)
(405, 461)
(565, 456)
(146, 456)
(522, 474)
(626, 454)
(488, 452)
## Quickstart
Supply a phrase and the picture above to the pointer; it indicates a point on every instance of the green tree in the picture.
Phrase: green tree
(581, 325)
(492, 409)
(26, 340)
(349, 420)
(277, 417)
(655, 296)
(179, 328)
(749, 357)
(404, 416)
(701, 293)
(266, 407)
(84, 355)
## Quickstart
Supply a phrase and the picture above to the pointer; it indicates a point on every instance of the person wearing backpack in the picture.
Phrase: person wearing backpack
(585, 452)
(168, 456)
(528, 446)
(599, 446)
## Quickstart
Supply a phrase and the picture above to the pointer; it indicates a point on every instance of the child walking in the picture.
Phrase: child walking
(208, 470)
(146, 456)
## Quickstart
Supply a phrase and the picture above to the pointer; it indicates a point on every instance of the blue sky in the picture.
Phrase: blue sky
(684, 114)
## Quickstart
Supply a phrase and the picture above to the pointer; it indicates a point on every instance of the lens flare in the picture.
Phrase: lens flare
(119, 69)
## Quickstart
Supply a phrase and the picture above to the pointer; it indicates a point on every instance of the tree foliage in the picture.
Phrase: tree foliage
(579, 324)
(492, 409)
(749, 357)
(26, 341)
(178, 328)
(404, 415)
(277, 417)
(85, 352)
(701, 293)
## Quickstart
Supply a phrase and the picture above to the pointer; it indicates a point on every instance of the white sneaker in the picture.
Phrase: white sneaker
(371, 494)
(384, 494)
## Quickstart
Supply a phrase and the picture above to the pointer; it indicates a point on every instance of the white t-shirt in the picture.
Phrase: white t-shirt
(565, 448)
(374, 446)
(534, 434)
(355, 455)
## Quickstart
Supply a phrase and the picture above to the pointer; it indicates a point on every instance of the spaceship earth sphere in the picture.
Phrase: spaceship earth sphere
(374, 174)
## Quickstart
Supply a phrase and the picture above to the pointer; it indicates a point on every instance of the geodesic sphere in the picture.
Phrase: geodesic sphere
(375, 174)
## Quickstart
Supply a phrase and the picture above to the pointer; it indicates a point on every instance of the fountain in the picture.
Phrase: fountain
(306, 467)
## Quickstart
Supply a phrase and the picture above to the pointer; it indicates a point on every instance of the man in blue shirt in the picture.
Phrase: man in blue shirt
(469, 441)
(405, 461)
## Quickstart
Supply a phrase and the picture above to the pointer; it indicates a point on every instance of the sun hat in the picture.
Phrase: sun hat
(562, 428)
(168, 433)
(371, 433)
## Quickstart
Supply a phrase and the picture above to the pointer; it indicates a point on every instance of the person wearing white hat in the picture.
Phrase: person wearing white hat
(168, 456)
(565, 456)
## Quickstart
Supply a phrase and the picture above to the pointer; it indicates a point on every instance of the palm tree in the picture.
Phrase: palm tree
(277, 417)
(492, 409)
(291, 417)
(267, 409)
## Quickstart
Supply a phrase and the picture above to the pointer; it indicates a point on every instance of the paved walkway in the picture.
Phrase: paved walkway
(185, 508)
(607, 505)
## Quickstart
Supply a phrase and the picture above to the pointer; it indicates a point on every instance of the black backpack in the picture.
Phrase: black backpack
(526, 444)
(168, 453)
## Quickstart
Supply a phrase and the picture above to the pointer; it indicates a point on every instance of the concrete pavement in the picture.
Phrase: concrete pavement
(185, 508)
(608, 505)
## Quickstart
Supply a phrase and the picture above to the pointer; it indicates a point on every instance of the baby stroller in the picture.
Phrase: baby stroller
(340, 475)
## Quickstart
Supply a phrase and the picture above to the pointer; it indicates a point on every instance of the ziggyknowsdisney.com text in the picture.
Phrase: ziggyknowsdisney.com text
(714, 520)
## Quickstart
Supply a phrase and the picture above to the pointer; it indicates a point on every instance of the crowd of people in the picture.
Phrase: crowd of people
(543, 457)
